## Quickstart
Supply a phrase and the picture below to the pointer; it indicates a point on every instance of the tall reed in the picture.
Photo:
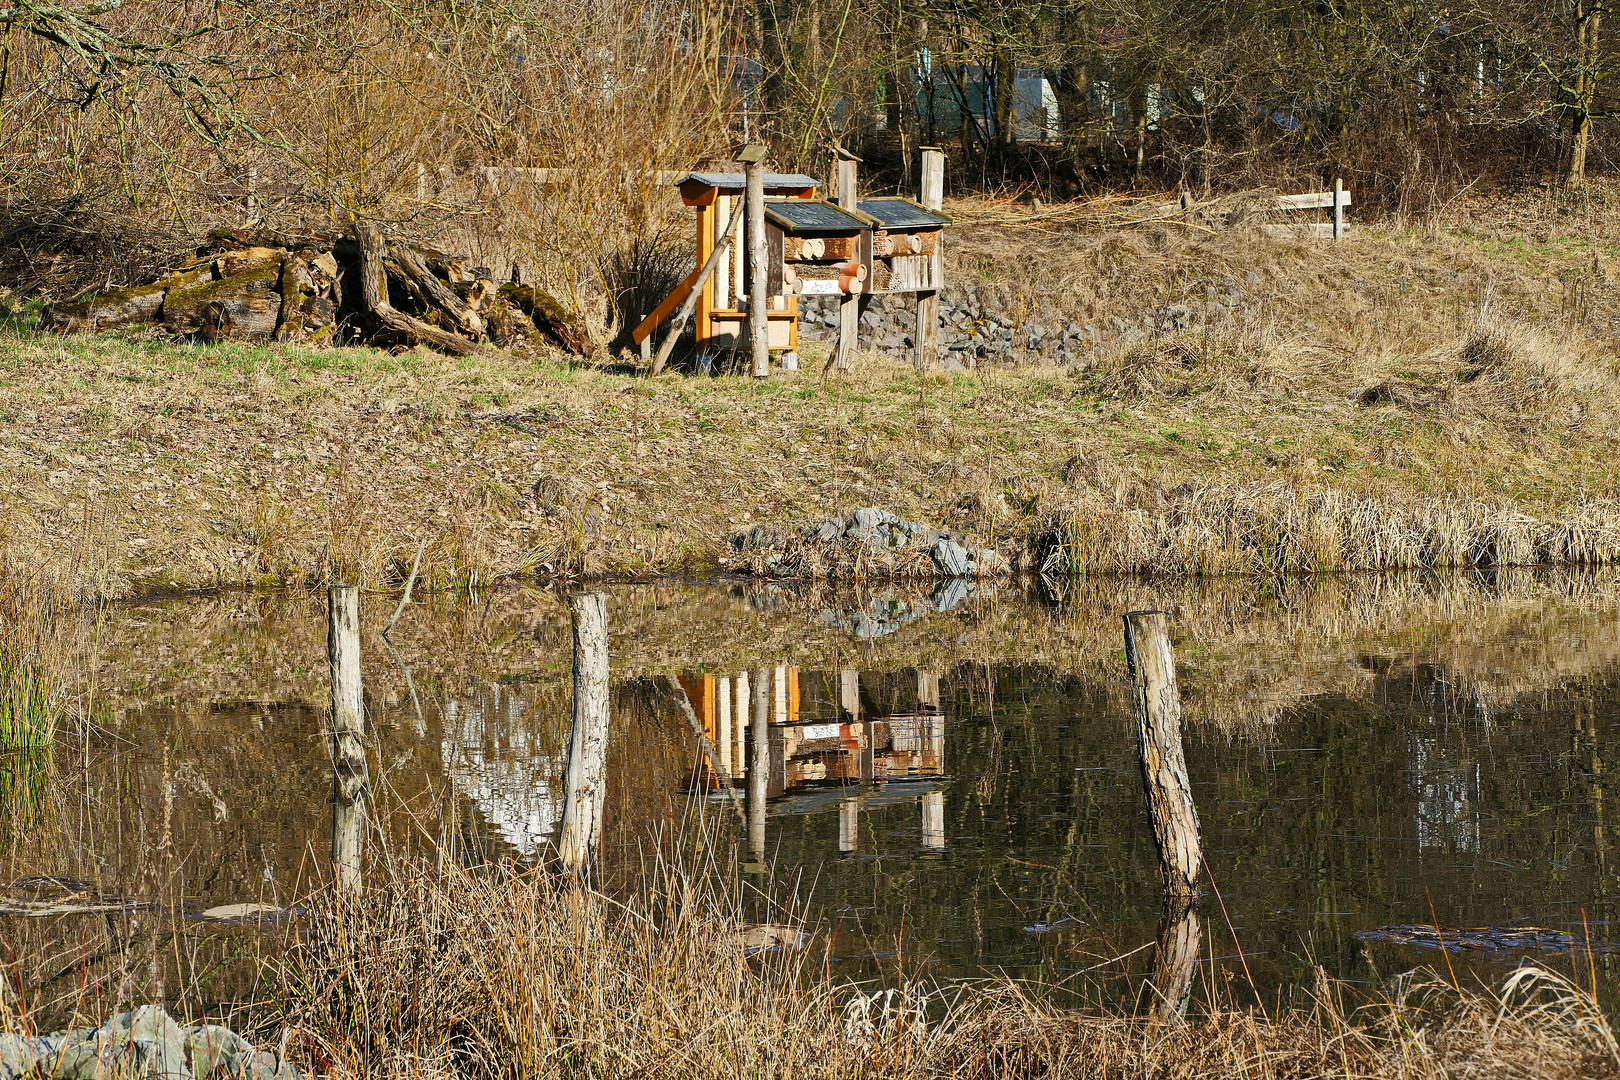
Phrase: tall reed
(31, 684)
(442, 969)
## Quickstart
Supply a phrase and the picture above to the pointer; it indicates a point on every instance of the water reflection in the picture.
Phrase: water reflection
(958, 795)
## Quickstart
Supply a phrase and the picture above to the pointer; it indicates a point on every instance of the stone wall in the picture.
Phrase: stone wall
(996, 324)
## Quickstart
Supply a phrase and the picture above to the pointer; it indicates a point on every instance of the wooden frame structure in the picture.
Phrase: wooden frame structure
(807, 246)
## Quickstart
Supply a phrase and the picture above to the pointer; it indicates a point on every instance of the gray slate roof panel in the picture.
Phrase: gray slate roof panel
(807, 217)
(775, 181)
(903, 214)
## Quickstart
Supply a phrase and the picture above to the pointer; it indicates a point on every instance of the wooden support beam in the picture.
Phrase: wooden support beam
(925, 341)
(849, 315)
(759, 330)
(645, 328)
(351, 780)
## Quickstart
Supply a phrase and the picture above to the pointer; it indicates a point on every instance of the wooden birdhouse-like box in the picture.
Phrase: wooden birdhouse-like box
(817, 248)
(721, 313)
(907, 246)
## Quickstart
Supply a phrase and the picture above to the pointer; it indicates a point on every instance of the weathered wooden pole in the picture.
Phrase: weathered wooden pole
(849, 311)
(933, 820)
(926, 338)
(1175, 960)
(350, 777)
(740, 722)
(759, 324)
(849, 825)
(1338, 208)
(722, 728)
(1164, 770)
(759, 765)
(586, 783)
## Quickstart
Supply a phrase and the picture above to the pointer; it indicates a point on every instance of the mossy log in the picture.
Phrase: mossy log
(109, 309)
(245, 306)
(550, 317)
(361, 288)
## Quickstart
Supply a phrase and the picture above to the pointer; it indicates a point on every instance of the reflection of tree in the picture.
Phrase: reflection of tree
(504, 766)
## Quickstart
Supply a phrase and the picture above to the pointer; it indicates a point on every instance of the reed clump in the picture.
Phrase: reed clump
(442, 970)
(32, 687)
(1253, 527)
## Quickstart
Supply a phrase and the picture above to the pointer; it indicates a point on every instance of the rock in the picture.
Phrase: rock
(143, 1044)
(868, 518)
(952, 559)
(989, 561)
(826, 532)
(951, 593)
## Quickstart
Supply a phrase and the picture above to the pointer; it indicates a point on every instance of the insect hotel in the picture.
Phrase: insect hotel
(806, 246)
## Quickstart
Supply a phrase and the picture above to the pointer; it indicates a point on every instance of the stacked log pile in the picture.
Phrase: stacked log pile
(359, 288)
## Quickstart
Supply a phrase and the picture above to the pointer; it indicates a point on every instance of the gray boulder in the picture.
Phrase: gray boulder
(952, 559)
(142, 1044)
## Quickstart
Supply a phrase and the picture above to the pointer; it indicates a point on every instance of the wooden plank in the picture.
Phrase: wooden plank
(705, 299)
(1315, 200)
(1312, 228)
(723, 289)
(774, 243)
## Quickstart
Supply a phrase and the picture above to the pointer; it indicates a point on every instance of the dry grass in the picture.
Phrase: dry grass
(1411, 398)
(449, 971)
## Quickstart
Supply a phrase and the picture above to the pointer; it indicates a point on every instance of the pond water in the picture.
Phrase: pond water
(949, 779)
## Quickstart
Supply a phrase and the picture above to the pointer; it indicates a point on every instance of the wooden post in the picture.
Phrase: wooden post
(586, 783)
(350, 779)
(849, 309)
(927, 691)
(926, 339)
(759, 765)
(933, 820)
(1175, 960)
(1338, 208)
(849, 825)
(1164, 771)
(722, 736)
(759, 325)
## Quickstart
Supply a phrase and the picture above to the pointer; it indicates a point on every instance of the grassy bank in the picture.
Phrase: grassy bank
(471, 972)
(1416, 397)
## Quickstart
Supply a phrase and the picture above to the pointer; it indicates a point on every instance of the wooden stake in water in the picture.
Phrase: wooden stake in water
(1164, 771)
(350, 777)
(759, 765)
(586, 785)
(1175, 960)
